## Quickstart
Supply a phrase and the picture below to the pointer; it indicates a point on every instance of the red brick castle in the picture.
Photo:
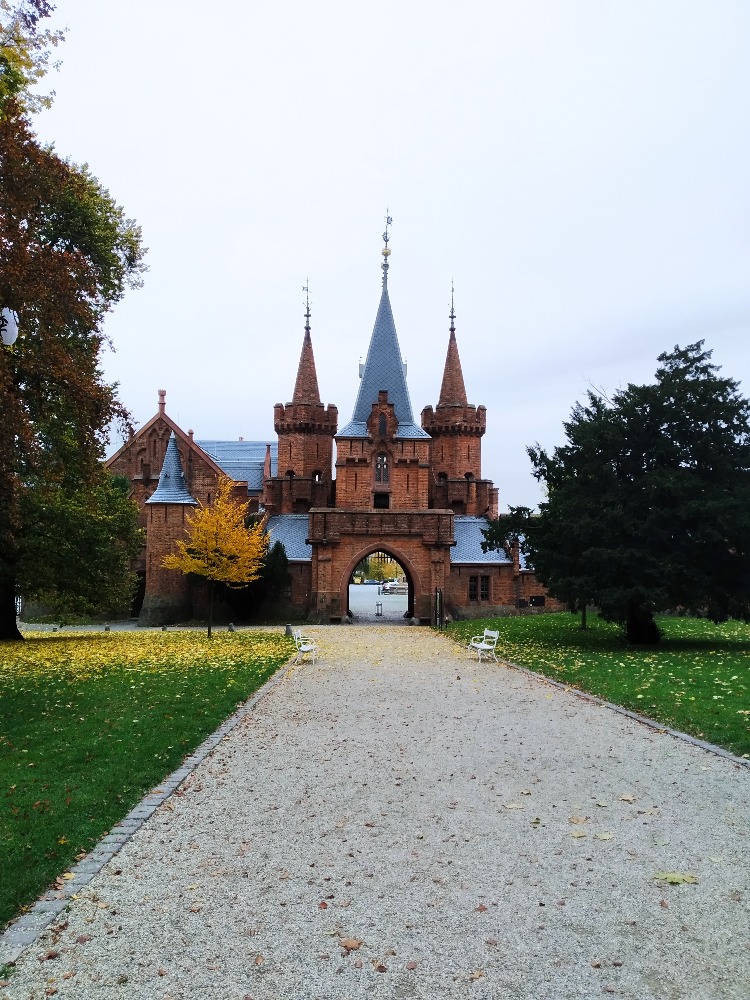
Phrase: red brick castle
(415, 492)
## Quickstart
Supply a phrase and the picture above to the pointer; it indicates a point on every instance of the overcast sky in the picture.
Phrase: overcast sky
(579, 169)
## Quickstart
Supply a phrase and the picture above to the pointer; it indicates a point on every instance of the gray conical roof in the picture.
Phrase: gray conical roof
(383, 370)
(171, 488)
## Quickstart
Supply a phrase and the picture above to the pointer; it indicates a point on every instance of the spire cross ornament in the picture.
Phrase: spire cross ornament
(452, 313)
(306, 290)
(386, 251)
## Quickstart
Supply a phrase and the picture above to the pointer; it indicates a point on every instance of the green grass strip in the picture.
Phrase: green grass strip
(90, 722)
(697, 680)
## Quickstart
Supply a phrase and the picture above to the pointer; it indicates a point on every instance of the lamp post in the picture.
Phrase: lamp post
(8, 626)
(8, 327)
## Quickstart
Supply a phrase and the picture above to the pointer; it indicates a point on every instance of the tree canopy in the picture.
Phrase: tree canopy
(219, 546)
(648, 503)
(67, 255)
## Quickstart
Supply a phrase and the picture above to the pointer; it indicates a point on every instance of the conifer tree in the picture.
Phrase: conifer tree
(648, 503)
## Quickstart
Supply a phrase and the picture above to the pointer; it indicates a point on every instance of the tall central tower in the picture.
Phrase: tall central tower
(382, 455)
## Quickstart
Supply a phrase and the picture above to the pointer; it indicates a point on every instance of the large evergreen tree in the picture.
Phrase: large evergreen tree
(648, 504)
(67, 254)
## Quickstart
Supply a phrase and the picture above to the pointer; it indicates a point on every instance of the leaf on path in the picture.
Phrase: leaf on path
(83, 938)
(578, 819)
(525, 791)
(473, 976)
(512, 805)
(350, 944)
(627, 798)
(578, 833)
(411, 966)
(603, 805)
(482, 908)
(603, 836)
(49, 955)
(676, 878)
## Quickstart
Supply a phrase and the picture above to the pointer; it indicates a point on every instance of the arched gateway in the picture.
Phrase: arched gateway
(412, 490)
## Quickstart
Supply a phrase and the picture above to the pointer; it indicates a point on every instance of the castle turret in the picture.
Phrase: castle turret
(305, 452)
(456, 428)
(167, 598)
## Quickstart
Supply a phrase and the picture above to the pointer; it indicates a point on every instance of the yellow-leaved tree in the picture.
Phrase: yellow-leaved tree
(219, 547)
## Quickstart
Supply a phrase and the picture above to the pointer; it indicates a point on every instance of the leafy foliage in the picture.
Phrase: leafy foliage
(68, 254)
(79, 547)
(25, 52)
(219, 547)
(648, 503)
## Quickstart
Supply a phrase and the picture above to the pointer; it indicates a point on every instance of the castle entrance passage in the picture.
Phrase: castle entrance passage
(380, 591)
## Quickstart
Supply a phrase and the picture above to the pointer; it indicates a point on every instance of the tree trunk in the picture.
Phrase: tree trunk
(640, 627)
(584, 626)
(210, 606)
(8, 626)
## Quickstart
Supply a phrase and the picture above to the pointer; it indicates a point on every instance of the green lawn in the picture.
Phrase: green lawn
(697, 680)
(89, 723)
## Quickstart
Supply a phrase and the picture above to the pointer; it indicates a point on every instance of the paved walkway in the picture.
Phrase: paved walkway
(400, 822)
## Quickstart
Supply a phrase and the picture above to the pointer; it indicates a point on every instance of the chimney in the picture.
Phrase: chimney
(162, 403)
(190, 433)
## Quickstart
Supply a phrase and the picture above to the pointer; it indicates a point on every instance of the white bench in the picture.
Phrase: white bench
(305, 644)
(484, 645)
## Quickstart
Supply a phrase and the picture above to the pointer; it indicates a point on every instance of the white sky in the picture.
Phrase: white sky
(579, 168)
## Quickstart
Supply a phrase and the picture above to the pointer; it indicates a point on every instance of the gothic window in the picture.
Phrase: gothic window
(317, 477)
(473, 581)
(382, 426)
(484, 588)
(381, 468)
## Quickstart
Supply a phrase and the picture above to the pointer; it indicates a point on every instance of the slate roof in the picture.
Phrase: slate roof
(172, 488)
(242, 460)
(469, 538)
(291, 531)
(384, 369)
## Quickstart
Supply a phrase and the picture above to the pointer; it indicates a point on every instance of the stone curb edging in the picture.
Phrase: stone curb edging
(25, 930)
(644, 720)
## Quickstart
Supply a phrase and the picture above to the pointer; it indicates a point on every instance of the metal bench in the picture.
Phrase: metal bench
(305, 644)
(484, 645)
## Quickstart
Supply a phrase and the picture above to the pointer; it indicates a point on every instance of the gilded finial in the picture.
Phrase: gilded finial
(452, 313)
(386, 250)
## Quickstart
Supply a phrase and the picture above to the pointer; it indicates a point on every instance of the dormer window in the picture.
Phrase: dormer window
(381, 466)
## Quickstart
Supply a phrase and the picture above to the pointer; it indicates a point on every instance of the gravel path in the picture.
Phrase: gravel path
(400, 822)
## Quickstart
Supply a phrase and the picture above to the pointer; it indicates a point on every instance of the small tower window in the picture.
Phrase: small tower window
(382, 425)
(381, 468)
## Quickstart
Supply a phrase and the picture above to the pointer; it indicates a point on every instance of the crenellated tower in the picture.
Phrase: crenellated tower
(305, 430)
(456, 428)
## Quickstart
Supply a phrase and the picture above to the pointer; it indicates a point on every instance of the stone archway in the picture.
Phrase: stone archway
(412, 578)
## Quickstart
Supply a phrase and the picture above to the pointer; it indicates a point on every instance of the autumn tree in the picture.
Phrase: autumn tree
(648, 502)
(220, 547)
(67, 255)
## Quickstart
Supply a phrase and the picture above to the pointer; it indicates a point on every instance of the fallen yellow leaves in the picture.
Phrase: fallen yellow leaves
(676, 878)
(84, 655)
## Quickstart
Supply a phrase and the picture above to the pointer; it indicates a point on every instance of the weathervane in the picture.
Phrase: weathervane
(386, 251)
(306, 290)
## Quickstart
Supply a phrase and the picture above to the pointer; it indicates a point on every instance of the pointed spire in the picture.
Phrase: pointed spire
(172, 488)
(306, 387)
(453, 390)
(384, 368)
